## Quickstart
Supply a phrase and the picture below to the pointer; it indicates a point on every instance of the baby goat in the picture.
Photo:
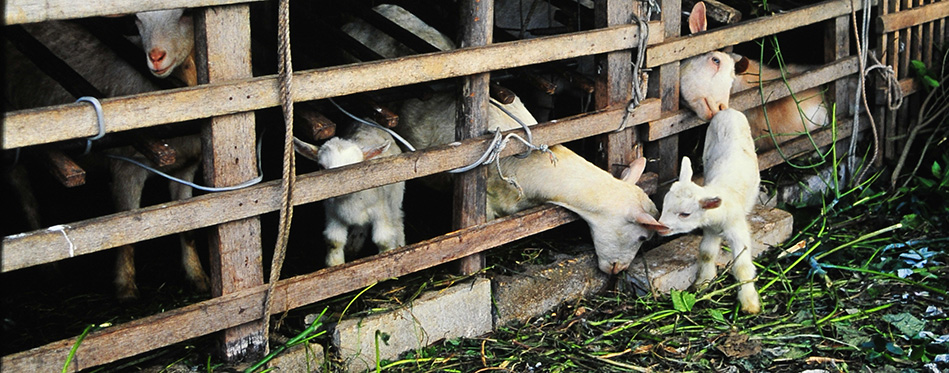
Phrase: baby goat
(722, 206)
(165, 33)
(380, 207)
(707, 80)
(616, 210)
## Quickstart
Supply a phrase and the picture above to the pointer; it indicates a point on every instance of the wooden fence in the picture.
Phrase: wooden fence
(231, 96)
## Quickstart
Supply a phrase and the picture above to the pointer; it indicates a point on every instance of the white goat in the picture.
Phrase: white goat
(615, 209)
(26, 87)
(705, 87)
(380, 207)
(722, 206)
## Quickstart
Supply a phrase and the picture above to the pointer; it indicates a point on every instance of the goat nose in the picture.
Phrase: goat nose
(156, 55)
(722, 106)
(617, 268)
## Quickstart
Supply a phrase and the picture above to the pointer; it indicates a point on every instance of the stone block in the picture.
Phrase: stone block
(306, 357)
(673, 264)
(463, 310)
(539, 289)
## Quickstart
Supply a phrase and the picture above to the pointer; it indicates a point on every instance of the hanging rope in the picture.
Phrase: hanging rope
(637, 94)
(285, 71)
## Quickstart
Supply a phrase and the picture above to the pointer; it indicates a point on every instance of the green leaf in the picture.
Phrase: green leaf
(908, 324)
(717, 315)
(682, 301)
(937, 170)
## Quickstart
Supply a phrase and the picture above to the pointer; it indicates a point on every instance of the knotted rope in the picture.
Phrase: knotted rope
(637, 94)
(285, 71)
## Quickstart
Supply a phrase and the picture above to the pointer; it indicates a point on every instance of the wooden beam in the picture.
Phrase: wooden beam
(913, 17)
(63, 122)
(469, 203)
(97, 234)
(222, 51)
(744, 100)
(803, 145)
(666, 150)
(246, 305)
(29, 11)
(613, 83)
(688, 46)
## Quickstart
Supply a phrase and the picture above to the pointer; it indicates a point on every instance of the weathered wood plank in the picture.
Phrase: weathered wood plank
(803, 145)
(222, 51)
(246, 305)
(913, 17)
(29, 11)
(612, 86)
(92, 235)
(469, 203)
(688, 46)
(667, 149)
(45, 125)
(685, 119)
(837, 46)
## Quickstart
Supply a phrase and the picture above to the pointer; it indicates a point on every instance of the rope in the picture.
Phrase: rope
(862, 47)
(285, 71)
(99, 119)
(498, 143)
(637, 93)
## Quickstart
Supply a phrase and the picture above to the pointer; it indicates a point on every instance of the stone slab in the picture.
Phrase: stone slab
(673, 264)
(306, 357)
(462, 310)
(539, 289)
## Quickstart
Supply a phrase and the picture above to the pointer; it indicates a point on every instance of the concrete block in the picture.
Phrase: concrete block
(463, 310)
(673, 265)
(306, 357)
(539, 289)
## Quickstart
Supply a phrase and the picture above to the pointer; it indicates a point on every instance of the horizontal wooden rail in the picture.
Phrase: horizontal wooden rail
(29, 11)
(677, 49)
(912, 17)
(685, 119)
(234, 309)
(45, 125)
(88, 236)
(803, 145)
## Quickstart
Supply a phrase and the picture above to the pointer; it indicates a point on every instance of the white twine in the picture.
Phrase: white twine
(62, 229)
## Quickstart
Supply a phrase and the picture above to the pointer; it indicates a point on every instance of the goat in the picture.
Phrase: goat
(26, 87)
(721, 207)
(616, 210)
(702, 82)
(381, 206)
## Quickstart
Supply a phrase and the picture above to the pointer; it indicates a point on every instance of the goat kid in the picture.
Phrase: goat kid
(721, 207)
(380, 207)
(705, 88)
(168, 33)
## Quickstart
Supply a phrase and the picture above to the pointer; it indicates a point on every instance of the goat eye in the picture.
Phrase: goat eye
(716, 60)
(684, 215)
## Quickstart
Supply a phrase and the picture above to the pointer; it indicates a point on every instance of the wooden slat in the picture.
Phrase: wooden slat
(29, 11)
(688, 46)
(685, 119)
(240, 307)
(612, 87)
(908, 18)
(88, 236)
(666, 151)
(469, 200)
(39, 126)
(222, 53)
(63, 168)
(803, 145)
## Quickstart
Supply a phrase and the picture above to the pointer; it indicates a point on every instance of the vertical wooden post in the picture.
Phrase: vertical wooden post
(222, 47)
(477, 24)
(613, 84)
(837, 46)
(666, 86)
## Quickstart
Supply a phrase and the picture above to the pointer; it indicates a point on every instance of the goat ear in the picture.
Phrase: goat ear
(307, 150)
(649, 222)
(374, 151)
(635, 171)
(685, 173)
(710, 203)
(697, 21)
(741, 65)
